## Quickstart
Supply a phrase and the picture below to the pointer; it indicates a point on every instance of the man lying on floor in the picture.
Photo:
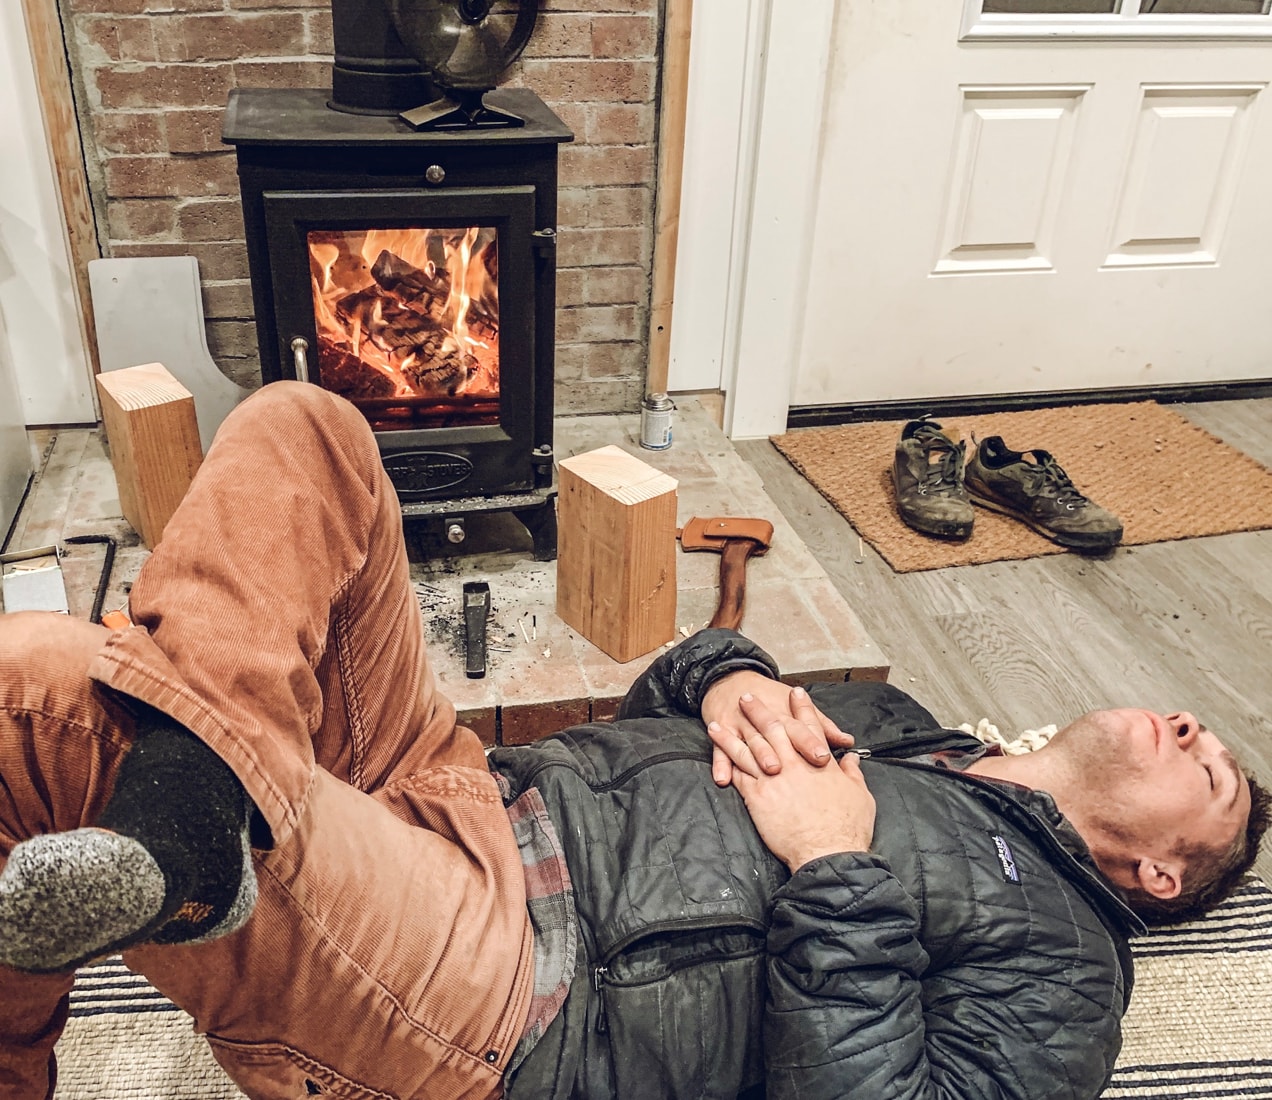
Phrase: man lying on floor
(259, 796)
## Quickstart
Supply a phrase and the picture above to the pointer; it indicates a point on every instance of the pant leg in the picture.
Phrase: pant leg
(276, 620)
(276, 617)
(61, 740)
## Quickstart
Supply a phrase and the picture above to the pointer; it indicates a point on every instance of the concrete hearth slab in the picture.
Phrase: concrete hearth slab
(543, 676)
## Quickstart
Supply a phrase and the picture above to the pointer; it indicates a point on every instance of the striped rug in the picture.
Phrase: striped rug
(1200, 1024)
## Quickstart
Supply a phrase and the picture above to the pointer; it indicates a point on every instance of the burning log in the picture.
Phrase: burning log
(440, 373)
(344, 373)
(426, 292)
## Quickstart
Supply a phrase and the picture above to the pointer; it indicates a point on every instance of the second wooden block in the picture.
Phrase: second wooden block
(616, 555)
(154, 443)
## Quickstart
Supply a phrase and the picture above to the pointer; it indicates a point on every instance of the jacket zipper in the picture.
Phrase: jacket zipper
(598, 984)
(622, 777)
(599, 973)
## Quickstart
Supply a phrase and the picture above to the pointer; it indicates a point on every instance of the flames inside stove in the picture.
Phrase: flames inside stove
(408, 323)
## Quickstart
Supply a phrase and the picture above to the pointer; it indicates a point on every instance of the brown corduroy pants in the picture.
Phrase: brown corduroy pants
(390, 952)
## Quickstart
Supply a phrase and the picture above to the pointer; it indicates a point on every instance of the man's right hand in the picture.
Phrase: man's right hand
(802, 811)
(813, 734)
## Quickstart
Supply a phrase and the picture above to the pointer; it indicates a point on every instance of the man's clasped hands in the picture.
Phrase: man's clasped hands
(774, 746)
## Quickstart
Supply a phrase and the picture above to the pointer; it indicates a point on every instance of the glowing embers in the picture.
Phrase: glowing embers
(408, 323)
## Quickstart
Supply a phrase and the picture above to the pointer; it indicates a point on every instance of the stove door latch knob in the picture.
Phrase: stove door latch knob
(435, 173)
(544, 240)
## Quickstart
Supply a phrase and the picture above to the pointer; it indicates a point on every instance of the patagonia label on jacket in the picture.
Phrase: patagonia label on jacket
(1006, 860)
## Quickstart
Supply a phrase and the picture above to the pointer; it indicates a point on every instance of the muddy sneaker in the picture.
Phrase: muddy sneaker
(1031, 486)
(927, 473)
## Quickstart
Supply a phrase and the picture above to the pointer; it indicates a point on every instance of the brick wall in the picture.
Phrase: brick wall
(152, 78)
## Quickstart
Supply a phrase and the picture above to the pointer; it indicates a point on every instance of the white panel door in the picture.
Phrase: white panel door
(1015, 203)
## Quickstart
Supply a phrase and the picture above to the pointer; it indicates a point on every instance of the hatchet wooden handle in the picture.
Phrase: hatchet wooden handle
(733, 559)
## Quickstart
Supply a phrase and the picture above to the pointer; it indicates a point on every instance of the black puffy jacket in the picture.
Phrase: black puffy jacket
(974, 952)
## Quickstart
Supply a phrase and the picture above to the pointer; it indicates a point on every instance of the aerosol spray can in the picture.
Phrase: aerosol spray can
(655, 421)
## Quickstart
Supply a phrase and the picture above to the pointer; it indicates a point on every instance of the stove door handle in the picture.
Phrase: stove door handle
(299, 347)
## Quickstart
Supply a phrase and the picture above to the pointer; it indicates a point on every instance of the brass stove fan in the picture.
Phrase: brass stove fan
(464, 46)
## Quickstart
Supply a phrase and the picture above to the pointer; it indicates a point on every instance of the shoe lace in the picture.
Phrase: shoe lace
(1055, 482)
(944, 474)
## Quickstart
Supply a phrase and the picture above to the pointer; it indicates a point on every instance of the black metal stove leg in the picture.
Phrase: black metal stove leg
(541, 522)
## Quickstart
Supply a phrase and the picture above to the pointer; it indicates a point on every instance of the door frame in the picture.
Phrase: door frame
(46, 37)
(753, 147)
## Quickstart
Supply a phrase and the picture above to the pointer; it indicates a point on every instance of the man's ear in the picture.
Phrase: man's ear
(1160, 878)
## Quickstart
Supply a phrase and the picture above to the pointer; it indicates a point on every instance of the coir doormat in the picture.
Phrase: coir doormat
(1163, 476)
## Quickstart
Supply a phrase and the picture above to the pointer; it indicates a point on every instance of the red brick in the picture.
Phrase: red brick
(620, 206)
(624, 36)
(318, 38)
(574, 115)
(625, 7)
(164, 177)
(232, 339)
(620, 124)
(218, 262)
(210, 220)
(596, 324)
(196, 131)
(164, 85)
(585, 361)
(111, 7)
(597, 165)
(574, 207)
(248, 5)
(129, 131)
(138, 219)
(559, 35)
(520, 725)
(246, 372)
(230, 37)
(232, 299)
(127, 38)
(483, 721)
(591, 81)
(571, 284)
(283, 74)
(584, 398)
(143, 7)
(601, 247)
(616, 284)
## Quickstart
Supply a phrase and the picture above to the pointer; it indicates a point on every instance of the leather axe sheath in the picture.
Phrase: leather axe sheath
(736, 540)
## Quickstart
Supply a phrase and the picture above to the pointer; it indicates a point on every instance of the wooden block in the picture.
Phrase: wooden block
(616, 552)
(154, 443)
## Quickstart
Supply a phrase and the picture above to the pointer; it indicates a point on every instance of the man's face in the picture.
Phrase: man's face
(1158, 778)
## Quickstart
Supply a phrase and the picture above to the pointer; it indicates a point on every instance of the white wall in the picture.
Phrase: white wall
(36, 289)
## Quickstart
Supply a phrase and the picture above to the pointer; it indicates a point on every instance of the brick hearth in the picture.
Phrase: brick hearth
(542, 675)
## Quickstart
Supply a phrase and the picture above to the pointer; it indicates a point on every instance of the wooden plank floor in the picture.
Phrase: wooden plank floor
(1170, 626)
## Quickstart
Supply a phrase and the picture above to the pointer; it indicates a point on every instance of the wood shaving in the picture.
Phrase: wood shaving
(986, 731)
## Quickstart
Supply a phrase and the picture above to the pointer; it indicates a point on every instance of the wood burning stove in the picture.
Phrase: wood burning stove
(415, 274)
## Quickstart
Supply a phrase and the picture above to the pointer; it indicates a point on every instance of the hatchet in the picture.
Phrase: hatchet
(736, 540)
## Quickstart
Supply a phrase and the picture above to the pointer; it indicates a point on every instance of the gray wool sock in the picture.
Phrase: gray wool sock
(68, 897)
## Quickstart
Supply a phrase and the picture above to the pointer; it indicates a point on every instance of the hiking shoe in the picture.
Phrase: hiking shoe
(1031, 486)
(927, 473)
